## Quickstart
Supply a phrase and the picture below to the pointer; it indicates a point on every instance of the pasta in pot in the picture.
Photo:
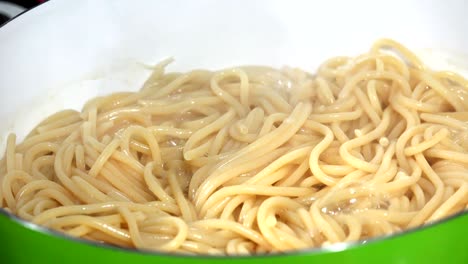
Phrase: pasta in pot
(251, 160)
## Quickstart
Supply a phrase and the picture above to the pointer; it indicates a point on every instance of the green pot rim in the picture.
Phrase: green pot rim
(335, 247)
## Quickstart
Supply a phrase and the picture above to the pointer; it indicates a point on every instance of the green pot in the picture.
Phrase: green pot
(442, 242)
(59, 43)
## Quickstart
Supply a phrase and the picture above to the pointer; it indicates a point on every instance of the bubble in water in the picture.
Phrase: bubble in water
(383, 141)
(358, 132)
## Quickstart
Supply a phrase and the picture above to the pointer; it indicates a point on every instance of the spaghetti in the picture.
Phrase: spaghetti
(251, 160)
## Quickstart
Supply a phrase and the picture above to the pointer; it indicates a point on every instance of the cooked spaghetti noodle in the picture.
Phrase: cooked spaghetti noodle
(251, 160)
